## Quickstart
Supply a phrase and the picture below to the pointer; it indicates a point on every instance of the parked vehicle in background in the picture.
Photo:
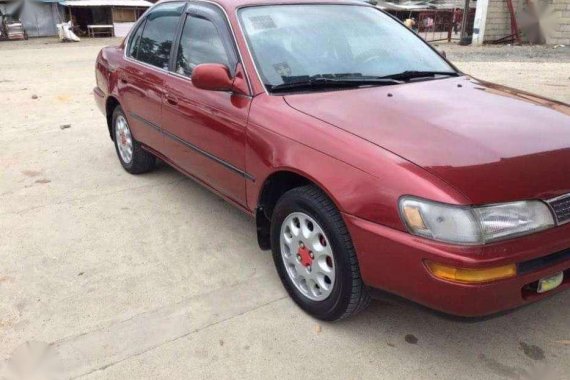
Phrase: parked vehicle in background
(367, 159)
(12, 29)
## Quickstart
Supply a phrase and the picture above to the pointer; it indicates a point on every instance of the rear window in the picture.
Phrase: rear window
(135, 40)
(158, 34)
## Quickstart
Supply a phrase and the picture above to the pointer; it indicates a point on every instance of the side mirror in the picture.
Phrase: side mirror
(443, 54)
(213, 77)
(217, 77)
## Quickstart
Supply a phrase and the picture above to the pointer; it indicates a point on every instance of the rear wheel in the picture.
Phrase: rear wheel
(133, 157)
(314, 255)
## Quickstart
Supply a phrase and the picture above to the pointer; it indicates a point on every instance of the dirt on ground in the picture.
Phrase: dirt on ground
(507, 53)
(105, 275)
(543, 70)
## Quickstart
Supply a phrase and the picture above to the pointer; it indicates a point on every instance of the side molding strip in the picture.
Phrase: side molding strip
(226, 164)
(145, 121)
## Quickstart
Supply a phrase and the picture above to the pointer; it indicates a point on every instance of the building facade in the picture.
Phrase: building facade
(550, 17)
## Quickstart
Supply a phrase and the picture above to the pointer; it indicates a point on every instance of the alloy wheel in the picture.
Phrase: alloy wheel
(124, 139)
(308, 256)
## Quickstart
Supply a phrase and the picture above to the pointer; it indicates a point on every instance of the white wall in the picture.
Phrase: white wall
(122, 28)
(493, 20)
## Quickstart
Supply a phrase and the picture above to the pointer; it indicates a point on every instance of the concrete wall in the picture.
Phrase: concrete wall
(560, 33)
(499, 19)
(493, 20)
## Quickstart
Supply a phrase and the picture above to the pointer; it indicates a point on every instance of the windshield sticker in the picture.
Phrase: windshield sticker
(262, 22)
(282, 69)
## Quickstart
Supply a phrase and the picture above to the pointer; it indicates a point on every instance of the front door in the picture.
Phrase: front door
(205, 131)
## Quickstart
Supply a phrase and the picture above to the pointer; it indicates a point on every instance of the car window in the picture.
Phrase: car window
(158, 34)
(351, 40)
(200, 43)
(135, 40)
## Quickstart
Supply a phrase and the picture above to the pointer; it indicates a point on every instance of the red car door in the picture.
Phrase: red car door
(142, 79)
(205, 130)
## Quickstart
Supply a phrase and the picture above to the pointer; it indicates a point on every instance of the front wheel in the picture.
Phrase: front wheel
(314, 255)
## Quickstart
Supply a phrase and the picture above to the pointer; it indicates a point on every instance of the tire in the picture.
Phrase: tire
(139, 161)
(346, 294)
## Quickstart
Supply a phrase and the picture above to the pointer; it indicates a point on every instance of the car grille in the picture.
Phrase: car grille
(544, 262)
(561, 207)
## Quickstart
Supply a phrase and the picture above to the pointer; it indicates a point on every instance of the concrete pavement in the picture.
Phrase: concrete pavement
(113, 276)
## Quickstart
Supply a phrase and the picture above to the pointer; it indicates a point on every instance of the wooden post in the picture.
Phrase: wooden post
(113, 20)
(464, 39)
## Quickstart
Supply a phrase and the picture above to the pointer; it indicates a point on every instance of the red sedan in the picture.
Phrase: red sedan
(367, 159)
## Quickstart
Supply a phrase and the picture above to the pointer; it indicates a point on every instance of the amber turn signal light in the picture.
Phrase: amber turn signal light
(471, 275)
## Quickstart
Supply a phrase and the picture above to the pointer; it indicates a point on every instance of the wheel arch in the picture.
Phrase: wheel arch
(274, 186)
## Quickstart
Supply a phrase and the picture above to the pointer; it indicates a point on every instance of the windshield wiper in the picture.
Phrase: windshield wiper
(413, 74)
(330, 81)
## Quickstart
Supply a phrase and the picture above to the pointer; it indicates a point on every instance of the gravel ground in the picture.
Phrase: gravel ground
(506, 53)
(542, 70)
(52, 42)
(486, 53)
(105, 275)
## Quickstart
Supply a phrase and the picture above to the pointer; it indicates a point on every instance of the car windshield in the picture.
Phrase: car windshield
(300, 43)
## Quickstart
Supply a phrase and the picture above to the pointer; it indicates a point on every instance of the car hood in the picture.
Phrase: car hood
(490, 142)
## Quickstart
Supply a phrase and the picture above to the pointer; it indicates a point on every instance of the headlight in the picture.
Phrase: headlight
(474, 225)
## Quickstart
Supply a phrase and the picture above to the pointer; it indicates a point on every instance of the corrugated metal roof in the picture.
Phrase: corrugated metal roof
(416, 5)
(410, 5)
(106, 3)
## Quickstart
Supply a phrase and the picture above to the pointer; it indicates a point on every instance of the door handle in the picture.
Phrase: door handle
(124, 80)
(171, 100)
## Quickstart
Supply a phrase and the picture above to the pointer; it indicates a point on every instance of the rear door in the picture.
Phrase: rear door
(142, 80)
(205, 130)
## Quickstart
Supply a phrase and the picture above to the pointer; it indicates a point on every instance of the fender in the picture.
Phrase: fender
(274, 144)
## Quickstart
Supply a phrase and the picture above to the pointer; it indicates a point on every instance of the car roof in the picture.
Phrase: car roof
(230, 5)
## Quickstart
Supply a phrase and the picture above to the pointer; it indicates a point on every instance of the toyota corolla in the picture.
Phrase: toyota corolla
(366, 158)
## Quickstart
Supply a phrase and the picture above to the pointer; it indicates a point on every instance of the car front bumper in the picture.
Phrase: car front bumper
(394, 261)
